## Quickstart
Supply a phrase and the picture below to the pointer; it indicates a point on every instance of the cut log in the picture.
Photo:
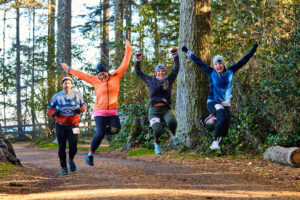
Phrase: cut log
(287, 156)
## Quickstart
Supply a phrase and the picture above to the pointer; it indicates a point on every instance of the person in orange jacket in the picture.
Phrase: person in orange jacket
(107, 87)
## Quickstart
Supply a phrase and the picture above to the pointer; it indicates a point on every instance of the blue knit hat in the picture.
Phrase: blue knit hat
(160, 66)
(219, 59)
(101, 68)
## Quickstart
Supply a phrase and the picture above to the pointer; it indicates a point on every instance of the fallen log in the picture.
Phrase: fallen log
(287, 156)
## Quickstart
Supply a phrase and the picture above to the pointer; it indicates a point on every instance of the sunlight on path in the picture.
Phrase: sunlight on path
(135, 193)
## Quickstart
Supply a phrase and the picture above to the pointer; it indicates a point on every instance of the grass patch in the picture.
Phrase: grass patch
(48, 145)
(6, 168)
(140, 152)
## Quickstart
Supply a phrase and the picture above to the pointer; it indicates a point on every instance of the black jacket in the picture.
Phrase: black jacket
(160, 91)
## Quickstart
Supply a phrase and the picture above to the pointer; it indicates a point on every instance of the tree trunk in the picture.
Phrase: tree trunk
(287, 156)
(105, 34)
(63, 35)
(3, 68)
(128, 18)
(32, 71)
(51, 72)
(118, 31)
(192, 83)
(18, 72)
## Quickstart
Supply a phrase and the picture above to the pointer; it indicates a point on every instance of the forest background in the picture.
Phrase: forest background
(265, 104)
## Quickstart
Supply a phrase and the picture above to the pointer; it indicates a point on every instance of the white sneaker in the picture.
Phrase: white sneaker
(210, 120)
(215, 145)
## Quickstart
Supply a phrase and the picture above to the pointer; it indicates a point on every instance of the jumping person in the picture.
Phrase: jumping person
(107, 86)
(160, 88)
(220, 93)
(66, 106)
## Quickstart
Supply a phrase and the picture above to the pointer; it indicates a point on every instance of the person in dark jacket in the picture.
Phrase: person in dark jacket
(220, 93)
(66, 106)
(160, 88)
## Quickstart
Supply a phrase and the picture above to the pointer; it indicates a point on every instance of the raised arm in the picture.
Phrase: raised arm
(243, 60)
(175, 70)
(206, 68)
(137, 68)
(126, 60)
(83, 76)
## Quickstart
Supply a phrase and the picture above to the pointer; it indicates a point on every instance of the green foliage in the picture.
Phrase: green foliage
(6, 168)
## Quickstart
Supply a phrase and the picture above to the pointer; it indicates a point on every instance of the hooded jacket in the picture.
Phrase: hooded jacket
(107, 92)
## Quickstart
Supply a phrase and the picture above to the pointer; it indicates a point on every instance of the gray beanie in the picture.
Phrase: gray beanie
(218, 59)
(160, 66)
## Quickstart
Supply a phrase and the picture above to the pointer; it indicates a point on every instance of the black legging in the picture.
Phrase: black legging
(109, 124)
(222, 113)
(64, 133)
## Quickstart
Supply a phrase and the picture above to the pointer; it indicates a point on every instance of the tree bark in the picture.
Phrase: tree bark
(63, 34)
(18, 72)
(128, 18)
(105, 34)
(119, 31)
(51, 72)
(287, 156)
(3, 68)
(192, 83)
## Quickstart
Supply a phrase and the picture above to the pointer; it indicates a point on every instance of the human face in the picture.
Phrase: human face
(67, 86)
(103, 76)
(219, 67)
(160, 74)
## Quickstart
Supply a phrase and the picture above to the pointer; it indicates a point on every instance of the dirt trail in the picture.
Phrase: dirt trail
(150, 177)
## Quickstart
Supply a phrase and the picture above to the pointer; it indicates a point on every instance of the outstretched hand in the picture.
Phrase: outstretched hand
(65, 67)
(174, 52)
(184, 49)
(255, 46)
(138, 57)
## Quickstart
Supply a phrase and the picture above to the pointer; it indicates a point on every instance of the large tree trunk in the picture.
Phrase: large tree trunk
(118, 31)
(63, 34)
(192, 83)
(18, 73)
(33, 116)
(105, 34)
(287, 156)
(128, 18)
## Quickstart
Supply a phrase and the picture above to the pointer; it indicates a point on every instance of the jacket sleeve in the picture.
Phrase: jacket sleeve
(235, 67)
(83, 76)
(206, 68)
(126, 60)
(175, 70)
(139, 72)
(51, 107)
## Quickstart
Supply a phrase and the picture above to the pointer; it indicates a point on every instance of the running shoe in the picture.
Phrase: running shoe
(72, 165)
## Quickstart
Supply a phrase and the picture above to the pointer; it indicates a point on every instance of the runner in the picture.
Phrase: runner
(107, 86)
(66, 106)
(220, 79)
(160, 88)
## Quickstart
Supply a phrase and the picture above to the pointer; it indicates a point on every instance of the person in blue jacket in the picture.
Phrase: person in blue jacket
(220, 92)
(160, 89)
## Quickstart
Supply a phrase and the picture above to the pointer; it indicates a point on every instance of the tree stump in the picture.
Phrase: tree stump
(287, 156)
(7, 153)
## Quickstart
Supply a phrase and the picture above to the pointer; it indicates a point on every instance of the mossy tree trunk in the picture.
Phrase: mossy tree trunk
(192, 83)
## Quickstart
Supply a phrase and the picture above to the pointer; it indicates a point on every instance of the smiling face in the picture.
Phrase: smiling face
(160, 74)
(103, 76)
(219, 67)
(67, 86)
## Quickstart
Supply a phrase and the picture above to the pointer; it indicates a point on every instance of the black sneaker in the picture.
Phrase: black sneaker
(89, 160)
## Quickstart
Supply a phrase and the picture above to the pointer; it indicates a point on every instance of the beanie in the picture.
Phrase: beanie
(101, 68)
(219, 59)
(66, 77)
(160, 66)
